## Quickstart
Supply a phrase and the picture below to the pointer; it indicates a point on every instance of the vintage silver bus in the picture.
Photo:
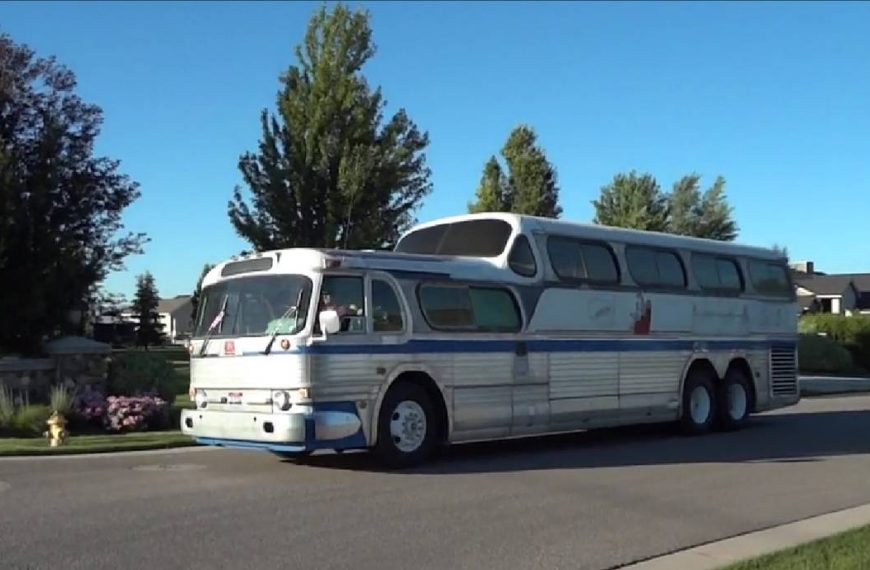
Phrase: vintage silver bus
(488, 326)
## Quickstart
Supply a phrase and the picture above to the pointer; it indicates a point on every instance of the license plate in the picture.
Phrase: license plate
(234, 398)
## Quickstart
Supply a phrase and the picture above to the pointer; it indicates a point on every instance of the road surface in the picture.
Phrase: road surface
(589, 501)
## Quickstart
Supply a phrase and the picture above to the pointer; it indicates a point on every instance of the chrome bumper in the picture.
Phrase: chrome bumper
(336, 429)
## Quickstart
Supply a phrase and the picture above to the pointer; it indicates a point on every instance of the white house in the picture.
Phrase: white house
(843, 293)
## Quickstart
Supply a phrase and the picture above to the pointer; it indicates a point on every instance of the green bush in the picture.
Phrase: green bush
(7, 408)
(138, 373)
(822, 354)
(30, 421)
(852, 332)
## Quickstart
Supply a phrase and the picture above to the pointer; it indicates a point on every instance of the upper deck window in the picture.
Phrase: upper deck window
(578, 260)
(716, 273)
(472, 238)
(770, 278)
(652, 267)
(521, 259)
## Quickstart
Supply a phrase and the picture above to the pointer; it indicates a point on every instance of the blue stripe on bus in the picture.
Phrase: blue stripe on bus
(536, 345)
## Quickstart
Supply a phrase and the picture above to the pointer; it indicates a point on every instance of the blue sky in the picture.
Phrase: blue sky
(773, 96)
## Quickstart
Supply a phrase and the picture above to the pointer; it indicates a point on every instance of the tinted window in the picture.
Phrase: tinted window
(494, 310)
(573, 259)
(600, 263)
(769, 278)
(642, 265)
(716, 273)
(475, 238)
(424, 241)
(474, 308)
(386, 311)
(446, 307)
(729, 274)
(522, 260)
(655, 268)
(706, 272)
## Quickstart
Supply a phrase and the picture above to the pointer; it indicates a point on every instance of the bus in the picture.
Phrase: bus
(484, 327)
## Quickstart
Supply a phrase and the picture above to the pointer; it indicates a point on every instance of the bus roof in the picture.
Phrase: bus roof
(534, 224)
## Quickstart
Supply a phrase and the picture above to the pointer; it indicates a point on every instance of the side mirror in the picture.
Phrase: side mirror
(329, 322)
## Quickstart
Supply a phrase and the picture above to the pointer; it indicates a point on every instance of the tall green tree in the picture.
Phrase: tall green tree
(60, 204)
(528, 184)
(149, 329)
(197, 292)
(330, 170)
(706, 215)
(632, 201)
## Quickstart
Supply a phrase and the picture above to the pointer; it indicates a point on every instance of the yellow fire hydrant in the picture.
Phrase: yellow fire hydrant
(57, 432)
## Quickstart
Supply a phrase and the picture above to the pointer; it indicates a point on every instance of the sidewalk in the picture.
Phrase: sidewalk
(754, 544)
(820, 385)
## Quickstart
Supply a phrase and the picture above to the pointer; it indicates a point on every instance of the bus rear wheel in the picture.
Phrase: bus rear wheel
(735, 397)
(699, 403)
(407, 429)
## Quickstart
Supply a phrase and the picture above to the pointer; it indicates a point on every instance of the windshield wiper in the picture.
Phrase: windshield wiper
(291, 308)
(214, 324)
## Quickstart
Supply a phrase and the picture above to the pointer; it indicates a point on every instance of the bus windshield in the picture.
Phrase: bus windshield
(254, 306)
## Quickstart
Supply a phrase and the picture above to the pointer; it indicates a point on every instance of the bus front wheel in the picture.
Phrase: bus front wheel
(699, 403)
(407, 427)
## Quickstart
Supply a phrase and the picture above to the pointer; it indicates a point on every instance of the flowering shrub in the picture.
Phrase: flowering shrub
(90, 405)
(134, 413)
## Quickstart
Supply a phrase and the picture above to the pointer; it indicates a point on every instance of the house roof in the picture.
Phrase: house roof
(826, 284)
(861, 281)
(172, 305)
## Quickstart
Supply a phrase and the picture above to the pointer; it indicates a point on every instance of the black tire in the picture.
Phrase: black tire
(387, 448)
(690, 423)
(732, 412)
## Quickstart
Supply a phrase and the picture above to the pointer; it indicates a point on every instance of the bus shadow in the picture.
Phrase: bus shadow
(781, 438)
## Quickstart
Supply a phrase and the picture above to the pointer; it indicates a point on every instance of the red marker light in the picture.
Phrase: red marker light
(229, 347)
(285, 344)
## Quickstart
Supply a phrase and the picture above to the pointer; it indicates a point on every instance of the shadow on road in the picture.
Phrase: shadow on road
(786, 438)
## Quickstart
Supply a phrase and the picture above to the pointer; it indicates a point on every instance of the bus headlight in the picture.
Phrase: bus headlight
(201, 399)
(281, 400)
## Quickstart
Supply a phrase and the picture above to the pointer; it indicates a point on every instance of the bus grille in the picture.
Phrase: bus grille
(783, 372)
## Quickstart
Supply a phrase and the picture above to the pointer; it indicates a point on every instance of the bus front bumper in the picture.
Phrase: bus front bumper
(338, 427)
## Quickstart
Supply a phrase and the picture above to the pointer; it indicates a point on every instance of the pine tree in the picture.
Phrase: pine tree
(529, 187)
(706, 216)
(330, 171)
(492, 191)
(632, 201)
(149, 330)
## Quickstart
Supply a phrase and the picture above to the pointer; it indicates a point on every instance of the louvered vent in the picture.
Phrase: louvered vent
(783, 371)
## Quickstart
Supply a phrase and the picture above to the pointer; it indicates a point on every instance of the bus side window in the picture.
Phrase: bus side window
(345, 296)
(386, 311)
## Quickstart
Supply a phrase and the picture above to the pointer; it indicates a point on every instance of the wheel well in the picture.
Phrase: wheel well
(425, 382)
(701, 365)
(742, 365)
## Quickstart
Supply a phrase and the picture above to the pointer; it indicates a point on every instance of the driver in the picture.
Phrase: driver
(327, 304)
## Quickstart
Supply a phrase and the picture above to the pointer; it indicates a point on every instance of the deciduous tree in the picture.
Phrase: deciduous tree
(330, 170)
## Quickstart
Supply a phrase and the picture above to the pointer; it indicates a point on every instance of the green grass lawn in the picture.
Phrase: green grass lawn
(95, 443)
(847, 551)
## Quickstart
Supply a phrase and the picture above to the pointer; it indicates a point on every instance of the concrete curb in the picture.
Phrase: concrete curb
(108, 454)
(824, 385)
(721, 553)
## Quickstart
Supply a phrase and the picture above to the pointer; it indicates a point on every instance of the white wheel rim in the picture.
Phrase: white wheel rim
(408, 426)
(699, 405)
(736, 401)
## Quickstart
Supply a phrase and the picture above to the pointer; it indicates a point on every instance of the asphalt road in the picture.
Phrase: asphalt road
(591, 500)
